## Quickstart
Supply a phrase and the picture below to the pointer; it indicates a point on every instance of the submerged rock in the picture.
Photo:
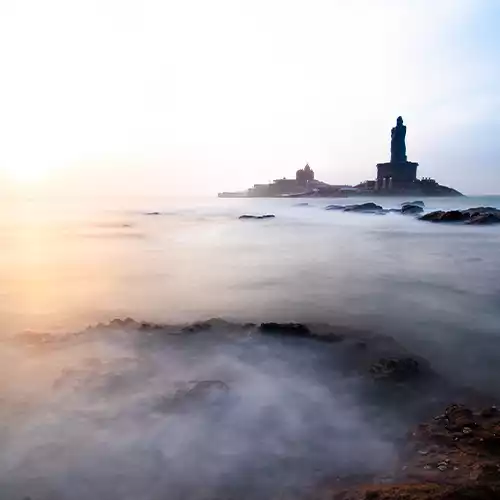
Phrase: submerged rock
(256, 217)
(396, 368)
(335, 207)
(441, 216)
(368, 207)
(416, 202)
(477, 215)
(291, 329)
(433, 216)
(411, 209)
(480, 219)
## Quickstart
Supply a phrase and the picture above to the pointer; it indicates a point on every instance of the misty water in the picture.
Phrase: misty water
(87, 410)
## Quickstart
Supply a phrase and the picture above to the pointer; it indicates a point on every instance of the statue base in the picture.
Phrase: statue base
(396, 175)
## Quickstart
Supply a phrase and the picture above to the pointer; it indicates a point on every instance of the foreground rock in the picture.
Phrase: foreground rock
(409, 209)
(474, 216)
(455, 456)
(256, 217)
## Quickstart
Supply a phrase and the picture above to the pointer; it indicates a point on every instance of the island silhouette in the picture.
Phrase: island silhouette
(398, 177)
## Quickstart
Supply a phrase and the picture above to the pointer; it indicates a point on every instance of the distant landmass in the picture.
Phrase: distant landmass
(397, 177)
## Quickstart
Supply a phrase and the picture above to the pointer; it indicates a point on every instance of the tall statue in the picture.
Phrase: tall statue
(398, 146)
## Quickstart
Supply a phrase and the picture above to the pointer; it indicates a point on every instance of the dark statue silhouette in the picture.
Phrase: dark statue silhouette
(398, 146)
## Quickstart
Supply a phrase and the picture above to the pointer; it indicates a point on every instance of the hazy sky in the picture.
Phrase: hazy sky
(174, 96)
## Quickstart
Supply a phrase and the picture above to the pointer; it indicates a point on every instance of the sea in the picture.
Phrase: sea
(85, 406)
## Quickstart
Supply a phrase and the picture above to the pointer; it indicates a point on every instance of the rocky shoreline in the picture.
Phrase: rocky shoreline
(453, 453)
(470, 216)
(455, 456)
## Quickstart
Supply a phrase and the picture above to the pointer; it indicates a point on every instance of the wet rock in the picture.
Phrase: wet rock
(482, 210)
(477, 215)
(440, 467)
(396, 368)
(450, 216)
(490, 412)
(300, 330)
(485, 218)
(288, 329)
(369, 207)
(146, 326)
(335, 207)
(458, 417)
(256, 217)
(197, 327)
(433, 216)
(411, 209)
(416, 202)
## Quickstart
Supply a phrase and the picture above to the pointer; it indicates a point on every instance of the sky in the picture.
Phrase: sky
(195, 96)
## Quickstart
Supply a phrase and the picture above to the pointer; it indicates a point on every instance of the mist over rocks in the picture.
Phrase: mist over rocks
(213, 409)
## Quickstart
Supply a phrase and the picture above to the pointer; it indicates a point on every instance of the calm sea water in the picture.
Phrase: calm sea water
(87, 416)
(67, 264)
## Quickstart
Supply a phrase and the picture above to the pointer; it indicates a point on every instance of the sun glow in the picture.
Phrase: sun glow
(25, 173)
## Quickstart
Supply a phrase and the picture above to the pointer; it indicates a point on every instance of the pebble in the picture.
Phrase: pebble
(442, 468)
(466, 430)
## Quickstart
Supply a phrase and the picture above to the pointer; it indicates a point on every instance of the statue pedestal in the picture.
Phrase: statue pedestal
(396, 175)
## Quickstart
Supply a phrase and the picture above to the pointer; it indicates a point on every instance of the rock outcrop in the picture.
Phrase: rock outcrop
(368, 207)
(409, 209)
(474, 216)
(415, 202)
(256, 217)
(456, 456)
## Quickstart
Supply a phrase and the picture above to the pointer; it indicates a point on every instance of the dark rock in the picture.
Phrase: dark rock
(300, 330)
(335, 207)
(395, 368)
(197, 327)
(289, 329)
(476, 215)
(364, 207)
(256, 217)
(454, 216)
(490, 412)
(153, 213)
(482, 210)
(433, 216)
(148, 327)
(411, 209)
(416, 202)
(458, 417)
(484, 218)
(450, 216)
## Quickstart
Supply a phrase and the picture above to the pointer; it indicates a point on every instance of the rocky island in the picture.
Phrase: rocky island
(398, 177)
